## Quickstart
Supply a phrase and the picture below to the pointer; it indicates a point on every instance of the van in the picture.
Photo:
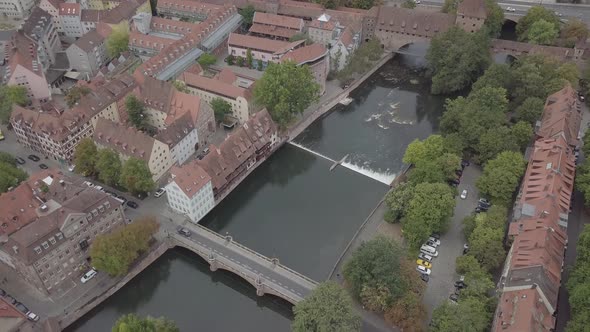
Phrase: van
(428, 250)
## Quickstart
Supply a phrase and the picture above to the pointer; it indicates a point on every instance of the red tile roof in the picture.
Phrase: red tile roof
(152, 42)
(421, 23)
(522, 310)
(272, 31)
(472, 8)
(278, 21)
(190, 177)
(125, 140)
(562, 116)
(8, 311)
(251, 42)
(306, 54)
(69, 9)
(214, 86)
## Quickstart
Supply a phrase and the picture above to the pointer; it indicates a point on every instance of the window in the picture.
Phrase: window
(38, 250)
(52, 240)
(45, 245)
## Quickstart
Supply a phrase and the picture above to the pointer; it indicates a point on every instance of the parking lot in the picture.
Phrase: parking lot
(443, 276)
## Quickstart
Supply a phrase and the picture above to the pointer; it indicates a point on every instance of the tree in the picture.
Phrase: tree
(330, 4)
(118, 40)
(486, 244)
(136, 176)
(426, 172)
(10, 95)
(496, 76)
(207, 59)
(248, 15)
(530, 110)
(10, 175)
(494, 19)
(494, 141)
(240, 61)
(286, 89)
(75, 93)
(533, 15)
(260, 64)
(450, 6)
(363, 4)
(327, 308)
(136, 112)
(522, 133)
(542, 32)
(114, 252)
(133, 323)
(426, 150)
(407, 313)
(574, 30)
(108, 166)
(583, 181)
(180, 86)
(429, 210)
(470, 314)
(85, 157)
(221, 108)
(397, 201)
(230, 60)
(376, 264)
(456, 58)
(501, 176)
(453, 144)
(249, 59)
(410, 4)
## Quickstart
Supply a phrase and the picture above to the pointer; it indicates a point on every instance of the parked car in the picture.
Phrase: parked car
(121, 197)
(159, 192)
(423, 270)
(10, 299)
(582, 98)
(459, 172)
(558, 14)
(32, 316)
(464, 194)
(424, 277)
(424, 263)
(431, 244)
(89, 184)
(425, 257)
(33, 157)
(510, 9)
(72, 168)
(428, 250)
(484, 201)
(2, 292)
(1, 136)
(465, 248)
(43, 166)
(88, 275)
(464, 163)
(132, 204)
(454, 298)
(183, 231)
(460, 284)
(432, 239)
(21, 307)
(19, 160)
(435, 235)
(479, 209)
(99, 188)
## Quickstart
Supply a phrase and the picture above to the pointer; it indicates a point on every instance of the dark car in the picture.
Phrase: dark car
(455, 181)
(132, 204)
(33, 157)
(435, 235)
(183, 231)
(479, 210)
(460, 284)
(454, 297)
(424, 277)
(19, 160)
(459, 172)
(21, 307)
(464, 163)
(10, 299)
(43, 166)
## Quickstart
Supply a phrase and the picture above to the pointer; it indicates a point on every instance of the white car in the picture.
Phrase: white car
(99, 188)
(88, 275)
(425, 257)
(89, 184)
(72, 168)
(423, 270)
(32, 316)
(435, 241)
(464, 194)
(510, 9)
(558, 14)
(429, 253)
(159, 192)
(431, 244)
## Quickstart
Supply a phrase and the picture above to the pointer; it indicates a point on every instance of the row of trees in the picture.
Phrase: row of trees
(362, 4)
(134, 323)
(424, 203)
(542, 26)
(583, 170)
(10, 175)
(10, 95)
(114, 252)
(360, 61)
(578, 285)
(105, 164)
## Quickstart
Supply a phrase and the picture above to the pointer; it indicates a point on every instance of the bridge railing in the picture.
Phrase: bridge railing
(249, 275)
(242, 247)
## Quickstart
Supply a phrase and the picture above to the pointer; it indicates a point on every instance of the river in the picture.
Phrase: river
(292, 207)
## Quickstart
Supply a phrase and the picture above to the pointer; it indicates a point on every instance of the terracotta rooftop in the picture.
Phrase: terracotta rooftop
(346, 37)
(561, 116)
(260, 127)
(306, 54)
(56, 126)
(196, 7)
(190, 177)
(561, 53)
(123, 12)
(69, 9)
(24, 54)
(472, 8)
(523, 310)
(90, 15)
(278, 21)
(156, 94)
(272, 30)
(421, 23)
(251, 42)
(8, 311)
(323, 22)
(35, 26)
(126, 140)
(89, 41)
(214, 86)
(152, 42)
(171, 26)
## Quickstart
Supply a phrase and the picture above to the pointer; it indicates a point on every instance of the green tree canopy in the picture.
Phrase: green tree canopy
(374, 267)
(221, 108)
(286, 90)
(397, 201)
(426, 150)
(248, 15)
(114, 252)
(108, 166)
(522, 133)
(426, 172)
(410, 4)
(327, 308)
(206, 60)
(501, 176)
(534, 14)
(470, 314)
(118, 40)
(136, 176)
(429, 210)
(530, 110)
(136, 112)
(10, 175)
(542, 32)
(578, 284)
(408, 313)
(494, 141)
(75, 93)
(10, 95)
(496, 76)
(85, 157)
(6, 157)
(133, 323)
(574, 30)
(456, 59)
(495, 18)
(486, 245)
(363, 4)
(450, 6)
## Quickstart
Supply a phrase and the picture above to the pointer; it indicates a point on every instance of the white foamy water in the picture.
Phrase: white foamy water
(382, 177)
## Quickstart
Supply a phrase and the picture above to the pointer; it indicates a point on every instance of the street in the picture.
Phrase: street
(441, 283)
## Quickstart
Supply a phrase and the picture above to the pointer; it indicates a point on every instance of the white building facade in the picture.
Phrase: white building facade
(190, 191)
(16, 8)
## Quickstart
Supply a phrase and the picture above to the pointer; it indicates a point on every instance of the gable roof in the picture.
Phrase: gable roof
(278, 20)
(190, 177)
(421, 23)
(472, 8)
(89, 41)
(306, 54)
(127, 141)
(562, 116)
(251, 42)
(215, 86)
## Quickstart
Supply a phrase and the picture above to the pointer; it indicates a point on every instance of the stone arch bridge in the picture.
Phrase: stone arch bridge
(266, 274)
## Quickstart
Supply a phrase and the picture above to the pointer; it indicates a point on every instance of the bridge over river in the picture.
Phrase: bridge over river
(266, 274)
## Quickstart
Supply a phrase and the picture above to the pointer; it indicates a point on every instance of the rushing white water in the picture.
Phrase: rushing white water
(386, 178)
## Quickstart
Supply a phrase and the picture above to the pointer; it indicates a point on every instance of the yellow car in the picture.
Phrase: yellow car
(424, 263)
(1, 136)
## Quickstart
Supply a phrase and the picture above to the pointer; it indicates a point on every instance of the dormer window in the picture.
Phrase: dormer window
(45, 245)
(89, 216)
(38, 250)
(59, 236)
(52, 240)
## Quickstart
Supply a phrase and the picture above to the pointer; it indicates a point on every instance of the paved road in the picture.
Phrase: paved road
(443, 276)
